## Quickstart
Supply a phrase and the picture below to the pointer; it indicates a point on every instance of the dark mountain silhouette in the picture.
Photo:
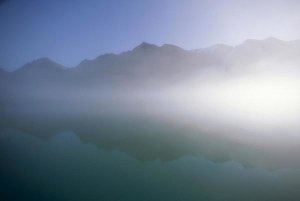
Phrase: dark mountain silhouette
(152, 65)
(39, 68)
(144, 62)
(163, 62)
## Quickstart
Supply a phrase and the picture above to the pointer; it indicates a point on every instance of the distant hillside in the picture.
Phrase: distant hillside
(156, 65)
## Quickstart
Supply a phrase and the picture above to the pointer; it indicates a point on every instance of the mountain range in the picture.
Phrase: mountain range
(148, 63)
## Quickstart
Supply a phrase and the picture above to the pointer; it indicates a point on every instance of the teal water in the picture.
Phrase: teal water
(62, 167)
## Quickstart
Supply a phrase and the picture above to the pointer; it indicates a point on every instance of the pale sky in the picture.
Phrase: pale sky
(72, 30)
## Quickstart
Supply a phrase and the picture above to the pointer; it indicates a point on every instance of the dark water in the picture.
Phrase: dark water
(62, 167)
(69, 151)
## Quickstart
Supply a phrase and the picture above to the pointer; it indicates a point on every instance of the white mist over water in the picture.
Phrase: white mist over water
(250, 99)
(256, 100)
(270, 99)
(258, 109)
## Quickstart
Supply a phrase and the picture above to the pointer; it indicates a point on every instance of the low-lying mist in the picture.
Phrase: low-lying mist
(222, 115)
(155, 123)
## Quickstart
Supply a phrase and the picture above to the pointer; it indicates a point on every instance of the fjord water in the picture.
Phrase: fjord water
(65, 168)
(138, 150)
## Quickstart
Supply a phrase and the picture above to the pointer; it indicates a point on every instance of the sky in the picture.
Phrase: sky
(72, 30)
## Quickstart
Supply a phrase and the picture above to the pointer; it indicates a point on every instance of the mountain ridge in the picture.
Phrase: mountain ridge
(160, 64)
(144, 46)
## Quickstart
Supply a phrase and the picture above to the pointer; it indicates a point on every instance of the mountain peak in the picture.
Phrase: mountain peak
(40, 61)
(249, 42)
(41, 64)
(145, 47)
(272, 39)
(170, 46)
(269, 40)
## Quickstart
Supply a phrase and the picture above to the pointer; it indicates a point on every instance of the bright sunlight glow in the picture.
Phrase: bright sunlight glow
(262, 98)
(269, 99)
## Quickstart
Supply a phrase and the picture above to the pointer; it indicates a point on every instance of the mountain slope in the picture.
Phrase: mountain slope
(40, 67)
(163, 64)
